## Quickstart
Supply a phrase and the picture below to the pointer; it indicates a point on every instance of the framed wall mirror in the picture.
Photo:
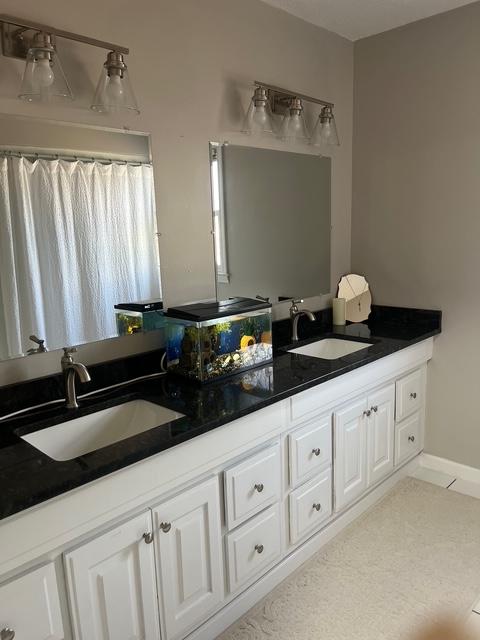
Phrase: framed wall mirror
(271, 221)
(78, 233)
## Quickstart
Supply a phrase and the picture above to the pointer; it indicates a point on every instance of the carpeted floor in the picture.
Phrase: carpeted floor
(411, 558)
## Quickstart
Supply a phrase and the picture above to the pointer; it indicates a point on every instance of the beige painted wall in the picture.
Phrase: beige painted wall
(192, 64)
(416, 201)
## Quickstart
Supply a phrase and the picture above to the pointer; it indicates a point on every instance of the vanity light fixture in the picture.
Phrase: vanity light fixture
(275, 101)
(325, 131)
(259, 115)
(44, 79)
(294, 127)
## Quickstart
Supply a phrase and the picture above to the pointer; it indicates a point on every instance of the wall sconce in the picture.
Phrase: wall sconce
(289, 105)
(259, 115)
(44, 79)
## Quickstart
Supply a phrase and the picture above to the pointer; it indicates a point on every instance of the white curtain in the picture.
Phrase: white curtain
(76, 238)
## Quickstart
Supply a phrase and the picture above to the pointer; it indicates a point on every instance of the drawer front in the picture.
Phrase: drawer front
(310, 449)
(408, 438)
(252, 485)
(310, 505)
(409, 394)
(30, 607)
(253, 547)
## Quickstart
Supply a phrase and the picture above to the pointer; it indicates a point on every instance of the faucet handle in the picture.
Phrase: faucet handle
(68, 350)
(67, 358)
(294, 308)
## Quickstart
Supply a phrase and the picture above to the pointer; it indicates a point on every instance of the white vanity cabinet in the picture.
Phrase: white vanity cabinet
(111, 582)
(364, 444)
(30, 607)
(188, 541)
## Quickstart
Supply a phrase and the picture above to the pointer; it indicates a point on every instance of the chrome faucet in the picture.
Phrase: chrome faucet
(295, 314)
(70, 368)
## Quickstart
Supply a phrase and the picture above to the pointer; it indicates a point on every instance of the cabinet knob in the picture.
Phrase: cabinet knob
(317, 506)
(258, 487)
(165, 526)
(413, 396)
(411, 438)
(148, 537)
(374, 409)
(259, 548)
(367, 414)
(7, 634)
(316, 452)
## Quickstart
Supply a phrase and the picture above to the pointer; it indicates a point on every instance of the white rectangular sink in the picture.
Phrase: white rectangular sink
(76, 437)
(330, 348)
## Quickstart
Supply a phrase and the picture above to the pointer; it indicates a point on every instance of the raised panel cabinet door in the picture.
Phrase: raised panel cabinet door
(190, 558)
(350, 452)
(381, 433)
(111, 583)
(30, 608)
(310, 449)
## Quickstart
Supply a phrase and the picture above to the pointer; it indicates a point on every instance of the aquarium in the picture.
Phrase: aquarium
(208, 341)
(138, 317)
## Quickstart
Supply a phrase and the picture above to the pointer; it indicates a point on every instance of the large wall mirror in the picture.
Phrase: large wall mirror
(78, 232)
(272, 223)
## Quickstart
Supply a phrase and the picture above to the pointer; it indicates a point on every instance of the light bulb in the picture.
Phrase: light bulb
(261, 117)
(43, 73)
(114, 89)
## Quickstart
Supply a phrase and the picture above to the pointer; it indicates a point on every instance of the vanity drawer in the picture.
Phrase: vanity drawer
(408, 438)
(30, 607)
(310, 449)
(252, 485)
(253, 547)
(310, 505)
(409, 392)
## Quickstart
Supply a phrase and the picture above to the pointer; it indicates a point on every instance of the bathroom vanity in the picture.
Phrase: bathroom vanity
(176, 531)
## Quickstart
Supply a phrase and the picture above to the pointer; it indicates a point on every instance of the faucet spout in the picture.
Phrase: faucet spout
(295, 314)
(70, 370)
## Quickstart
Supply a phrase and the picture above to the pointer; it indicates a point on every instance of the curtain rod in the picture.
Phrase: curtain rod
(69, 158)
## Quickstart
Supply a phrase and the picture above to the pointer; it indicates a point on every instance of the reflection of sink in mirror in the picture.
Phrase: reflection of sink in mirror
(76, 437)
(330, 348)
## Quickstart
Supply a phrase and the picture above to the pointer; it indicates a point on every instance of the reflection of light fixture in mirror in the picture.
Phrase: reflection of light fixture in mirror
(293, 127)
(259, 116)
(114, 91)
(325, 131)
(43, 78)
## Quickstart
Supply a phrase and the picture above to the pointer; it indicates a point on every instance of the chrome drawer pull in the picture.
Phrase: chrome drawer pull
(7, 634)
(317, 506)
(316, 452)
(374, 409)
(411, 438)
(367, 414)
(148, 537)
(259, 548)
(258, 487)
(165, 526)
(413, 396)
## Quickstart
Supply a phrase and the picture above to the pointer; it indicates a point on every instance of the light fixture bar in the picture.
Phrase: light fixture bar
(14, 33)
(283, 96)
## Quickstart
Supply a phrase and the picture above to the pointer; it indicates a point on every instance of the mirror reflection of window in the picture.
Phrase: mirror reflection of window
(77, 236)
(218, 211)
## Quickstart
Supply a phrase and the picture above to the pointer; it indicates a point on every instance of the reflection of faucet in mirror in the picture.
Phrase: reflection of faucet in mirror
(41, 345)
(295, 314)
(70, 368)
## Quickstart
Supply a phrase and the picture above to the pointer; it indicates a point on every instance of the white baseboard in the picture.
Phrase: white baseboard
(455, 469)
(249, 598)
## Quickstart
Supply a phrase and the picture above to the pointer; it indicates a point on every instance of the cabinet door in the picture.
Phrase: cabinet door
(380, 436)
(190, 559)
(350, 453)
(111, 582)
(30, 608)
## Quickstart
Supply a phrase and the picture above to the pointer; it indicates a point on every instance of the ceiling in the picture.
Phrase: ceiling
(356, 19)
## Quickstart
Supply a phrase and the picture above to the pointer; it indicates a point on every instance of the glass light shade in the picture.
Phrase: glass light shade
(294, 127)
(114, 92)
(43, 78)
(325, 132)
(259, 119)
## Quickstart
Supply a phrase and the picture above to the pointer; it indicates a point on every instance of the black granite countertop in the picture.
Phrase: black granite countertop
(29, 477)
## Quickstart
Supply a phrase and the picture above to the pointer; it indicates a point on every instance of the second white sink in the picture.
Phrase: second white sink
(330, 348)
(76, 437)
